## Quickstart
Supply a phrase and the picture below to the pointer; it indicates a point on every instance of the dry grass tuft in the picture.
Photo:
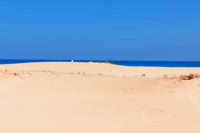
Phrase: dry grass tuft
(189, 76)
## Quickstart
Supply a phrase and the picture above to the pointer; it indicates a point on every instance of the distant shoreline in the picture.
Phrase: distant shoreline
(115, 62)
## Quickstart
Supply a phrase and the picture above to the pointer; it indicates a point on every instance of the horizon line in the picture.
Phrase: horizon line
(103, 60)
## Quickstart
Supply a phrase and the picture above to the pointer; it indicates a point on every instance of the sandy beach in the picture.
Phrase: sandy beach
(97, 98)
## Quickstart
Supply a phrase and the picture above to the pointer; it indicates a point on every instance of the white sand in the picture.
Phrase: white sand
(97, 98)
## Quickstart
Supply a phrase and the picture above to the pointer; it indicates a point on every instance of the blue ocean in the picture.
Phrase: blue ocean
(117, 62)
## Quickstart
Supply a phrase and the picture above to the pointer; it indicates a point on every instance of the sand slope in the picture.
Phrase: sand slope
(97, 98)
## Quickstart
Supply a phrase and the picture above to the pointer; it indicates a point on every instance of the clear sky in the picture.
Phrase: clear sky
(100, 29)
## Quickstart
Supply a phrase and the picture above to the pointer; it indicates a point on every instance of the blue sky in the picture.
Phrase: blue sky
(100, 29)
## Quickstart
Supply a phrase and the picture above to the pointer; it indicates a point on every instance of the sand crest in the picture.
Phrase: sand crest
(98, 98)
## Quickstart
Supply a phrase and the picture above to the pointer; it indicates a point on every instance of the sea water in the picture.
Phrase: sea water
(117, 62)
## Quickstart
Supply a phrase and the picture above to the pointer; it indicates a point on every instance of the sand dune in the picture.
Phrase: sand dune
(97, 98)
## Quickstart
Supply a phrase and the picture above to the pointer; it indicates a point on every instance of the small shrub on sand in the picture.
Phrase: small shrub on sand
(143, 75)
(189, 76)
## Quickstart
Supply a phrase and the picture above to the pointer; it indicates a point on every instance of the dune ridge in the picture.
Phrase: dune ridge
(98, 98)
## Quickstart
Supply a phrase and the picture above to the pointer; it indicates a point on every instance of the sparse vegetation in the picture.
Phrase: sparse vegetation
(189, 76)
